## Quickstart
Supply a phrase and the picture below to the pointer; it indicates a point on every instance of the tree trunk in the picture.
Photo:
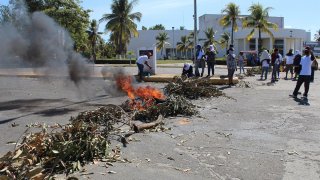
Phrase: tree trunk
(232, 32)
(259, 41)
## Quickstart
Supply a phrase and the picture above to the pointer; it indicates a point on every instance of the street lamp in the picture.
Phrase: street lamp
(172, 42)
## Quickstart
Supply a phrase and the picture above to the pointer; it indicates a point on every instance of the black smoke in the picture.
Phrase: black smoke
(37, 41)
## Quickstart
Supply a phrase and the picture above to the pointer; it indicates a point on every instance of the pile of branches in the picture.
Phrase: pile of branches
(106, 116)
(171, 106)
(63, 149)
(192, 88)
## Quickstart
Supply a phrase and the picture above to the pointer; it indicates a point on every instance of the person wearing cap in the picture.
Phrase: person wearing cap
(199, 61)
(296, 64)
(187, 70)
(211, 59)
(289, 63)
(143, 60)
(305, 74)
(231, 65)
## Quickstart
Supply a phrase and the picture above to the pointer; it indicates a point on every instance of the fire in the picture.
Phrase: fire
(141, 97)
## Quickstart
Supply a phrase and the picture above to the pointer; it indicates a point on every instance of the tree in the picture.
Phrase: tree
(5, 14)
(182, 28)
(232, 13)
(209, 39)
(121, 23)
(258, 19)
(68, 14)
(183, 45)
(162, 40)
(94, 35)
(157, 27)
(317, 36)
(144, 28)
(224, 41)
(191, 41)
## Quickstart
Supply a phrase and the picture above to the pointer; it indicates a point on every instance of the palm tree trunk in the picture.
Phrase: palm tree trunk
(232, 32)
(120, 40)
(259, 41)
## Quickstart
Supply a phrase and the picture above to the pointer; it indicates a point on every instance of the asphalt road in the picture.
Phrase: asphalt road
(260, 133)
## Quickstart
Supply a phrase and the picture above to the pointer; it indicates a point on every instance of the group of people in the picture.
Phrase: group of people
(300, 65)
(209, 57)
(202, 58)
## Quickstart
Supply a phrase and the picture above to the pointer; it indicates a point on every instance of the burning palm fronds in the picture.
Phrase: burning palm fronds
(192, 88)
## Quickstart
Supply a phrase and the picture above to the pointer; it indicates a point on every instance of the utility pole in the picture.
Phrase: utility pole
(195, 30)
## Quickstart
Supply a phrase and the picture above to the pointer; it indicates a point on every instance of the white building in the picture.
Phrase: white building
(284, 38)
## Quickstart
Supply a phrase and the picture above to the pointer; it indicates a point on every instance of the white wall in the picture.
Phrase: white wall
(147, 39)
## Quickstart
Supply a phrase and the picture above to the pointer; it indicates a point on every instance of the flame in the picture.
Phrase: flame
(141, 97)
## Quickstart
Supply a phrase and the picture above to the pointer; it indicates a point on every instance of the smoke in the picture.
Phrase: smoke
(36, 40)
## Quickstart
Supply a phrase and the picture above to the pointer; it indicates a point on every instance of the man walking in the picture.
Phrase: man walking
(305, 74)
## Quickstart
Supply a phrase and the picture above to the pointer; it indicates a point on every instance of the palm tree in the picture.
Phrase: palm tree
(191, 42)
(232, 13)
(209, 39)
(162, 40)
(224, 41)
(258, 19)
(317, 36)
(183, 45)
(121, 23)
(93, 37)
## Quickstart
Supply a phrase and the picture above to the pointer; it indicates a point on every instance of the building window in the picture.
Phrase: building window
(279, 43)
(252, 44)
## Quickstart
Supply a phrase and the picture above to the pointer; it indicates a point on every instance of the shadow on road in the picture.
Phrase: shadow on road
(54, 111)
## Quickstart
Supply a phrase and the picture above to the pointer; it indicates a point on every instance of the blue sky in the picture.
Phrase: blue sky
(176, 13)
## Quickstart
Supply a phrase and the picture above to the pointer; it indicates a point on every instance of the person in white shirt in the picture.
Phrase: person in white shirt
(289, 63)
(305, 74)
(143, 60)
(265, 58)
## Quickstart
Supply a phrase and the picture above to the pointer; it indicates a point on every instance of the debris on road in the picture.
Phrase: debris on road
(192, 88)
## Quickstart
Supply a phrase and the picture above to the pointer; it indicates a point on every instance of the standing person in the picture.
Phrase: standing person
(314, 65)
(143, 60)
(265, 58)
(211, 59)
(241, 62)
(199, 61)
(289, 63)
(231, 64)
(275, 62)
(296, 64)
(305, 74)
